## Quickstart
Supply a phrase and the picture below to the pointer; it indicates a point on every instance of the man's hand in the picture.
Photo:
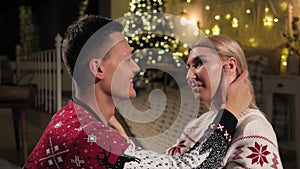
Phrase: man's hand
(238, 95)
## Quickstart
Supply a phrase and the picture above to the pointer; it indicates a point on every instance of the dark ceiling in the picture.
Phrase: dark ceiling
(52, 17)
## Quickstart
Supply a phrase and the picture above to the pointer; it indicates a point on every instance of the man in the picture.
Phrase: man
(79, 135)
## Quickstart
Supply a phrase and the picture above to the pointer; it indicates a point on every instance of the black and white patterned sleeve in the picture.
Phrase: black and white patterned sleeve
(208, 151)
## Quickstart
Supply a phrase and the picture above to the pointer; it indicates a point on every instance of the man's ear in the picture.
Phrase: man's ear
(95, 68)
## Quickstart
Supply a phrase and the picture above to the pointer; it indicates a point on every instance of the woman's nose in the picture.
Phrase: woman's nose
(189, 74)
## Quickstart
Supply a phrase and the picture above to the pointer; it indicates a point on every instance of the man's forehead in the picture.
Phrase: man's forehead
(115, 38)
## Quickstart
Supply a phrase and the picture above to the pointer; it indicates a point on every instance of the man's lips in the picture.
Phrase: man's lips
(131, 82)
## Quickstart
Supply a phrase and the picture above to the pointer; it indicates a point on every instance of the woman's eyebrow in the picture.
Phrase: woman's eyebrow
(200, 56)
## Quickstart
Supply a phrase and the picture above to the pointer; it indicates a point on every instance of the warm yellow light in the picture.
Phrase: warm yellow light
(283, 60)
(216, 30)
(276, 20)
(267, 9)
(248, 11)
(283, 5)
(207, 31)
(228, 16)
(246, 26)
(284, 63)
(268, 21)
(207, 7)
(251, 40)
(235, 23)
(188, 1)
(217, 17)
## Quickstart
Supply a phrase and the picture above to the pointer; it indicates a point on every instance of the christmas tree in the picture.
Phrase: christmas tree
(152, 29)
(159, 41)
(29, 33)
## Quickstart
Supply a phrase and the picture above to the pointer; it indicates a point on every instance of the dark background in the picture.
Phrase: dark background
(52, 17)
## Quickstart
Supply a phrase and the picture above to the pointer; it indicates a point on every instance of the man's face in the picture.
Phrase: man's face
(120, 69)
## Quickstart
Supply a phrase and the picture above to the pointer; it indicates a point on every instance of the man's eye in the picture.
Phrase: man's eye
(128, 60)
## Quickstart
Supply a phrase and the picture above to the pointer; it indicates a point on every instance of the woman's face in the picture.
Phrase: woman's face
(204, 73)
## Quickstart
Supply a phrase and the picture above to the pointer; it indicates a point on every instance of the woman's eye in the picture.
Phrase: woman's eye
(198, 63)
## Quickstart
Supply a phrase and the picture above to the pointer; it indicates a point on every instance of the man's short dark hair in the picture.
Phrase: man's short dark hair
(79, 32)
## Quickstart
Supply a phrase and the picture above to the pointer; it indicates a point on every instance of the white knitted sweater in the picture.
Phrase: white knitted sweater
(254, 144)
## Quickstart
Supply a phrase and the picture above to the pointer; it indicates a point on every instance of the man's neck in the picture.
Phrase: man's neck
(102, 104)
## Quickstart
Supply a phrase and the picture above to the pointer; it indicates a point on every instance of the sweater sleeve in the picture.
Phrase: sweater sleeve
(207, 152)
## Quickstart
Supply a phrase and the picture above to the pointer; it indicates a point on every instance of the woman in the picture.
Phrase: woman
(213, 63)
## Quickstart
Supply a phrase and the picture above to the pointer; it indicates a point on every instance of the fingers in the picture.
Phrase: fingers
(243, 76)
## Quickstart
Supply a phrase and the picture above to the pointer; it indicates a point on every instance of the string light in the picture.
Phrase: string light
(228, 16)
(268, 21)
(235, 23)
(283, 60)
(207, 7)
(216, 30)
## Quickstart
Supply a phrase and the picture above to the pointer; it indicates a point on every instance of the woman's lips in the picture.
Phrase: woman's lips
(197, 86)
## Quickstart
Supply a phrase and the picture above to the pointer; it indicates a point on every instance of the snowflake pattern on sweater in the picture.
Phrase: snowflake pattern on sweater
(76, 138)
(254, 144)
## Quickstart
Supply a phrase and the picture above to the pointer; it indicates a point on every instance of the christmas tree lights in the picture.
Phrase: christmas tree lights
(149, 29)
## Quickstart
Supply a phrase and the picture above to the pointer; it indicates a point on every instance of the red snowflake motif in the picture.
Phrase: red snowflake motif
(237, 153)
(259, 154)
(177, 149)
(275, 162)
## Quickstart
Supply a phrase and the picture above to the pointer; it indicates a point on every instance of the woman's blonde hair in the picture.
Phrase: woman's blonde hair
(226, 48)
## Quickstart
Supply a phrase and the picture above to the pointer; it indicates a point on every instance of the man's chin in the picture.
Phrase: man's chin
(132, 94)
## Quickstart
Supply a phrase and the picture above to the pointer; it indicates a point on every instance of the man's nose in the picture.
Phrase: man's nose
(136, 67)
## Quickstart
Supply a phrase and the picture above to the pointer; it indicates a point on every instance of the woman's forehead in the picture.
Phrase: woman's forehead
(203, 53)
(202, 49)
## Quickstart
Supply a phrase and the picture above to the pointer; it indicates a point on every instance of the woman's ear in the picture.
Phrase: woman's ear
(95, 68)
(230, 66)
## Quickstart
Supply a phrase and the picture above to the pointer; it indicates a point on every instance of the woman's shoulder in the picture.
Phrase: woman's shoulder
(252, 116)
(254, 125)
